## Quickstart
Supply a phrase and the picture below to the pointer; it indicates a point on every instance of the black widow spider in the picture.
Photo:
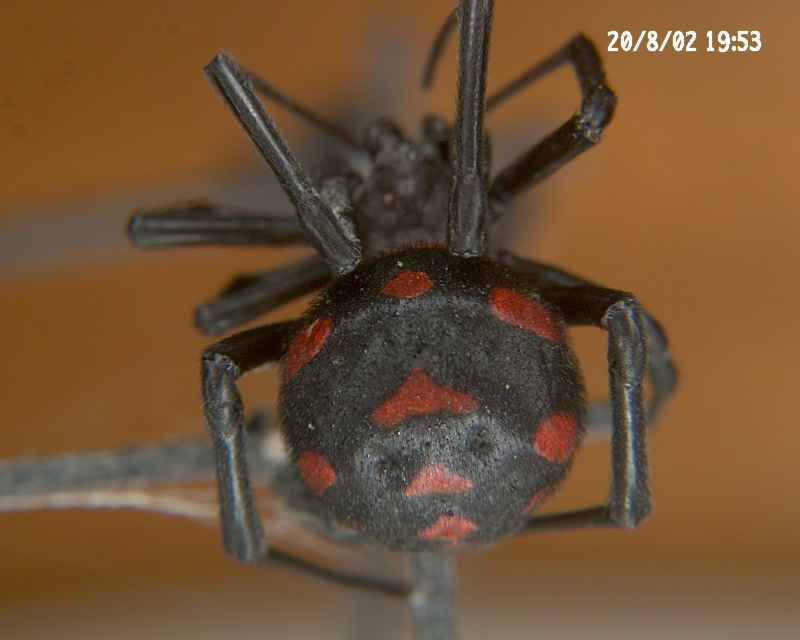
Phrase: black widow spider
(429, 396)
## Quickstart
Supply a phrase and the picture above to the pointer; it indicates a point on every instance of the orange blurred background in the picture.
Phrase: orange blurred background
(690, 202)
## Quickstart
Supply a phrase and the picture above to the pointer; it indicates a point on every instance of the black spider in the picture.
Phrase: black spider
(429, 396)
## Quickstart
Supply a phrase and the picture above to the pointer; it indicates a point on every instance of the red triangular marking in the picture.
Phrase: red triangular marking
(449, 529)
(419, 395)
(436, 478)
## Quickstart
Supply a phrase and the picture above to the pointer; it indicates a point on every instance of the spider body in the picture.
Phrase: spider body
(429, 396)
(431, 399)
(400, 198)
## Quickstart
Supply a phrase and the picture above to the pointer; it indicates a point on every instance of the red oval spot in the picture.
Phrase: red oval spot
(519, 310)
(316, 471)
(408, 284)
(436, 478)
(538, 498)
(305, 346)
(556, 437)
(449, 529)
(420, 395)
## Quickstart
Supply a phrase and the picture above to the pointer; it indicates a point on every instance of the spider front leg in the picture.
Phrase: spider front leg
(243, 536)
(575, 136)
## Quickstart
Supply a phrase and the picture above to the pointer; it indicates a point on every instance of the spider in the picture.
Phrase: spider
(429, 396)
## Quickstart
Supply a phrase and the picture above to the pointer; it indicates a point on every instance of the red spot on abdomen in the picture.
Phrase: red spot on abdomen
(419, 395)
(519, 310)
(306, 345)
(316, 471)
(449, 529)
(556, 437)
(408, 284)
(538, 498)
(436, 478)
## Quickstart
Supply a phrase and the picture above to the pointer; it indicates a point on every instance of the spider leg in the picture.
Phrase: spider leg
(469, 195)
(619, 313)
(437, 49)
(201, 223)
(327, 228)
(660, 367)
(268, 91)
(250, 296)
(575, 136)
(223, 364)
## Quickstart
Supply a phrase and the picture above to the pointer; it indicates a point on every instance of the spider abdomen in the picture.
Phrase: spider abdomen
(431, 399)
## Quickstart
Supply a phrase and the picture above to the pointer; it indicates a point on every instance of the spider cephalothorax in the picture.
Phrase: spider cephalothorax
(405, 192)
(431, 398)
(399, 196)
